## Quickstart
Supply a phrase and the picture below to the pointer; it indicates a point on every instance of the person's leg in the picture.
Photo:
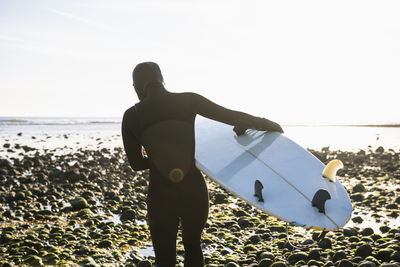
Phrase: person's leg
(163, 225)
(193, 222)
(163, 236)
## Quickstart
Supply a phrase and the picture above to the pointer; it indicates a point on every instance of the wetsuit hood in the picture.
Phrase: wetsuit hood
(144, 74)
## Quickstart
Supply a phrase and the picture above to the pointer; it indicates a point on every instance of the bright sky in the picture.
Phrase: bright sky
(290, 61)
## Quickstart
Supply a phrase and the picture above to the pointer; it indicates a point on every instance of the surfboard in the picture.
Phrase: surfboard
(274, 174)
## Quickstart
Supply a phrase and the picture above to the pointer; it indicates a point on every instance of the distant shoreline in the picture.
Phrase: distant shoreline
(375, 125)
(32, 120)
(346, 125)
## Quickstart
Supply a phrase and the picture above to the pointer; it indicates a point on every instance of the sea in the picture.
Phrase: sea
(95, 132)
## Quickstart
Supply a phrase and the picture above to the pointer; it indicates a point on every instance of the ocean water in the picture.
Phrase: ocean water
(51, 133)
(92, 132)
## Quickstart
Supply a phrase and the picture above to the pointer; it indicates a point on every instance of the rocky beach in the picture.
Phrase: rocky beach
(85, 206)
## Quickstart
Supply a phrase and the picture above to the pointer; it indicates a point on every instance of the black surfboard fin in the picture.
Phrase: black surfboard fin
(319, 199)
(257, 190)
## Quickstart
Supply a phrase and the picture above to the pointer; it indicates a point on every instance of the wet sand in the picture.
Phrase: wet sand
(85, 206)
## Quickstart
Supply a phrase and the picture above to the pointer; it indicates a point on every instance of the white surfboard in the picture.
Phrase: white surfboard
(274, 174)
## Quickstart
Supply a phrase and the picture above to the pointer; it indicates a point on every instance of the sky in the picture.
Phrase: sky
(295, 62)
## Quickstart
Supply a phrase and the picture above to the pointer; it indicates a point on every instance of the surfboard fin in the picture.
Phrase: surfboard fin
(319, 199)
(331, 168)
(257, 190)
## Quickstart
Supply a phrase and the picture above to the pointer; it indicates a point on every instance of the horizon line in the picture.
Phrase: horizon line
(352, 124)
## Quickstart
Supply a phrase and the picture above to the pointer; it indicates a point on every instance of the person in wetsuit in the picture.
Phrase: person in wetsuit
(163, 124)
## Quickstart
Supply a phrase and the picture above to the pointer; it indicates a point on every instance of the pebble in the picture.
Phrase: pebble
(325, 243)
(339, 255)
(78, 203)
(345, 263)
(359, 188)
(384, 254)
(296, 257)
(357, 219)
(368, 231)
(264, 263)
(350, 232)
(128, 214)
(105, 244)
(363, 251)
(366, 264)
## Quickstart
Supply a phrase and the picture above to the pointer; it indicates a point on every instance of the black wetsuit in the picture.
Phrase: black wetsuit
(163, 123)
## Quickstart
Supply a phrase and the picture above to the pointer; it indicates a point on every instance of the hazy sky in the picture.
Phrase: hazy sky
(290, 61)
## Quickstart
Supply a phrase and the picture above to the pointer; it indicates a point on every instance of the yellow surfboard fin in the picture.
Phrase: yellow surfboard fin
(331, 168)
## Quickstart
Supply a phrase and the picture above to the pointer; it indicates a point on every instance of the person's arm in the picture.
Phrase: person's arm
(240, 120)
(133, 148)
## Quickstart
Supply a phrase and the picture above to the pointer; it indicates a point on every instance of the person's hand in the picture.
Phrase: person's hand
(274, 127)
(239, 130)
